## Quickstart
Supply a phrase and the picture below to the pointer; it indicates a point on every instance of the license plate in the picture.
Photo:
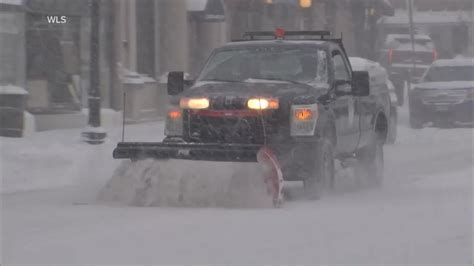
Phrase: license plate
(442, 108)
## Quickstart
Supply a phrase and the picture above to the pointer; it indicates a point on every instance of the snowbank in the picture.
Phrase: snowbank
(10, 89)
(186, 183)
(48, 159)
(59, 158)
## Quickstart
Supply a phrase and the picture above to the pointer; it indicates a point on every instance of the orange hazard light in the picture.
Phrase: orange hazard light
(174, 114)
(303, 114)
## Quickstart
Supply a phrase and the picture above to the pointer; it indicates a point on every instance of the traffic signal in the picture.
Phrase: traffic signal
(305, 3)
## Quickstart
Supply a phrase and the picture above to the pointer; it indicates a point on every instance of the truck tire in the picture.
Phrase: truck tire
(323, 170)
(392, 127)
(399, 84)
(370, 163)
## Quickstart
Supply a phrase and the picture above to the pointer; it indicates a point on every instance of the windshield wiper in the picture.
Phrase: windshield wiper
(284, 80)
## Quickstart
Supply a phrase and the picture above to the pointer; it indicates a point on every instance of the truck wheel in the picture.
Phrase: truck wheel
(392, 128)
(371, 163)
(400, 91)
(323, 170)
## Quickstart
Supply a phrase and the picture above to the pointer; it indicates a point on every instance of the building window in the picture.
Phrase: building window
(53, 64)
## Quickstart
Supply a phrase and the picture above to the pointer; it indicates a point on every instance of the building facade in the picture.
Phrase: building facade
(450, 23)
(149, 38)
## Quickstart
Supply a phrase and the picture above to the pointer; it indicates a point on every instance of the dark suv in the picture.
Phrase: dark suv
(445, 95)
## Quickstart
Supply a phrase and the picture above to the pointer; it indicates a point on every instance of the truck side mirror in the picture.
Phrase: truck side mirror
(360, 83)
(175, 82)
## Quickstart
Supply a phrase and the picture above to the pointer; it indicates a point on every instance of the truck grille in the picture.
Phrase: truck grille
(242, 130)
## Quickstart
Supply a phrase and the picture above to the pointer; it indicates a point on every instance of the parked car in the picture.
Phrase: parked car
(404, 64)
(445, 95)
(382, 88)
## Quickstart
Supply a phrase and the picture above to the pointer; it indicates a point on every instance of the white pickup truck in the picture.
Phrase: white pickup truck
(380, 86)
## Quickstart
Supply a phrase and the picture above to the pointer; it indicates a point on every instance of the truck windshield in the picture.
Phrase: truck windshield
(450, 73)
(267, 64)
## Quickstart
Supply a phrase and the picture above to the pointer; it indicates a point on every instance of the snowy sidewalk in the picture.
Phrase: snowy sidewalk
(58, 158)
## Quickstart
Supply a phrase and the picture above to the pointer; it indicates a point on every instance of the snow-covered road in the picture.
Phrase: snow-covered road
(422, 215)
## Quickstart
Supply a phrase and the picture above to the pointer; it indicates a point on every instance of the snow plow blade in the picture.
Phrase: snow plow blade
(187, 151)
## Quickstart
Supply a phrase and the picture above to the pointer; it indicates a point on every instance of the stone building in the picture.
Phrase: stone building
(145, 39)
(450, 23)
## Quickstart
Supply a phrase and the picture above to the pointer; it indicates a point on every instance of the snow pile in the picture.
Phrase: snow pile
(186, 183)
(10, 89)
(57, 158)
(52, 160)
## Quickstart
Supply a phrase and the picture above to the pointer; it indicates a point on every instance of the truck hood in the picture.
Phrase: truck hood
(250, 89)
(446, 85)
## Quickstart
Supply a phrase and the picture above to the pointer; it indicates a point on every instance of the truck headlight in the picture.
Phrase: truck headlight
(303, 119)
(194, 103)
(262, 103)
(174, 122)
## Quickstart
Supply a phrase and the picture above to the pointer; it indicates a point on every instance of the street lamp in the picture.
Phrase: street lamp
(94, 133)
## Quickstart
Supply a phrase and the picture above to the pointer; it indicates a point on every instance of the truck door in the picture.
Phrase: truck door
(347, 122)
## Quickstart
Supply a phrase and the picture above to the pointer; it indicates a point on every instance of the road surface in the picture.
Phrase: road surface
(422, 214)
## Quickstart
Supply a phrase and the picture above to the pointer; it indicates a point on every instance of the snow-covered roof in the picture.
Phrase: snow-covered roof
(466, 61)
(359, 63)
(377, 73)
(428, 17)
(10, 89)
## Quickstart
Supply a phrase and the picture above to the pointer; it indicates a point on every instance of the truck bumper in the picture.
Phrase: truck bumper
(187, 151)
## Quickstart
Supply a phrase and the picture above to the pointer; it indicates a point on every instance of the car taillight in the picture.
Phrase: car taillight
(390, 56)
(435, 55)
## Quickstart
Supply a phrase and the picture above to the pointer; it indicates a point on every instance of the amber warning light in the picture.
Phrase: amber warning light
(303, 114)
(174, 114)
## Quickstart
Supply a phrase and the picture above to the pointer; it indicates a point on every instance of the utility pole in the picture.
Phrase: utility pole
(412, 37)
(94, 133)
(371, 30)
